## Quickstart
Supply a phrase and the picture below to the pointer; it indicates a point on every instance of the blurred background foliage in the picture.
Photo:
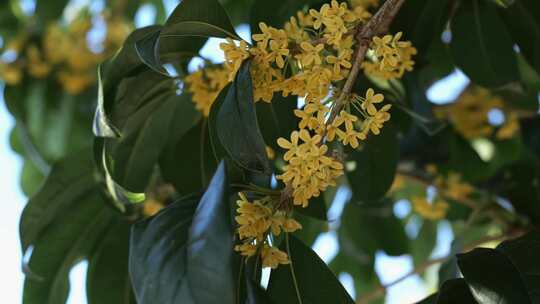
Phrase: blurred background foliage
(472, 162)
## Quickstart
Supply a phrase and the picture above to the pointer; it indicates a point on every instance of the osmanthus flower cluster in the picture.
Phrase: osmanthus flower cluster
(389, 57)
(63, 50)
(311, 58)
(448, 187)
(259, 222)
(470, 115)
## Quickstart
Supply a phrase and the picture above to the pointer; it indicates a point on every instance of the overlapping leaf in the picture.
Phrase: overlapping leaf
(184, 253)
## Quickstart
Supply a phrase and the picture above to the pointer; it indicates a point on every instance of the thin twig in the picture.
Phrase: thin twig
(381, 290)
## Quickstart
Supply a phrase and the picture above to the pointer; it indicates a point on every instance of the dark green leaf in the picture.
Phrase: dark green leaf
(523, 21)
(182, 32)
(70, 180)
(371, 228)
(451, 292)
(68, 239)
(376, 164)
(315, 281)
(421, 21)
(189, 170)
(183, 254)
(482, 46)
(50, 10)
(237, 126)
(110, 74)
(483, 269)
(277, 119)
(107, 280)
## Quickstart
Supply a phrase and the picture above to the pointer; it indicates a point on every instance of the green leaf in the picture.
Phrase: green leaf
(181, 35)
(68, 239)
(424, 243)
(315, 282)
(523, 21)
(70, 180)
(107, 280)
(110, 74)
(504, 3)
(50, 10)
(513, 260)
(183, 254)
(481, 45)
(376, 164)
(421, 21)
(451, 292)
(157, 109)
(198, 163)
(237, 126)
(276, 13)
(373, 227)
(277, 119)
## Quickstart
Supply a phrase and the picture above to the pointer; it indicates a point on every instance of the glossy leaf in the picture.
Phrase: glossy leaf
(237, 126)
(315, 281)
(181, 35)
(107, 280)
(188, 248)
(452, 291)
(376, 164)
(68, 239)
(481, 45)
(513, 260)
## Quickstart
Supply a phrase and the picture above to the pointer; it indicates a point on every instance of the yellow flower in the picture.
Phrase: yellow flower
(234, 55)
(75, 82)
(10, 73)
(435, 211)
(455, 188)
(246, 249)
(37, 66)
(310, 54)
(265, 35)
(342, 60)
(151, 207)
(375, 123)
(278, 51)
(510, 128)
(370, 99)
(273, 257)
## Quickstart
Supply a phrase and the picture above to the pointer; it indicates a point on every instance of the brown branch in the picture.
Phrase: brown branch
(381, 290)
(377, 25)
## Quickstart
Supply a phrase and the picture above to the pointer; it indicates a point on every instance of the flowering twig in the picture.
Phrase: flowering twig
(377, 25)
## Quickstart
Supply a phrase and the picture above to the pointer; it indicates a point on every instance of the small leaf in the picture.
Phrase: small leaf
(315, 281)
(184, 253)
(237, 126)
(481, 45)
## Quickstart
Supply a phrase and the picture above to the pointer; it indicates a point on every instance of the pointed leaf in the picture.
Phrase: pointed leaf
(184, 253)
(237, 126)
(315, 281)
